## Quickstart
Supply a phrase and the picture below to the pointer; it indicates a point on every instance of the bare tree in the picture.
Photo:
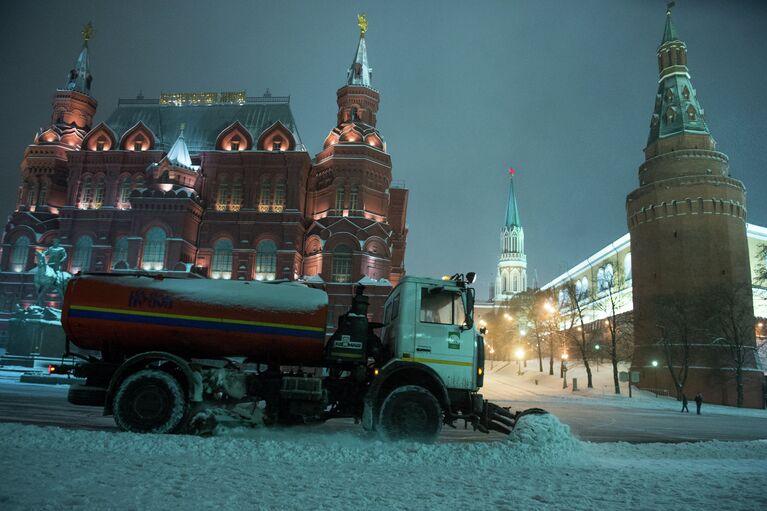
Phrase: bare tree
(676, 334)
(618, 321)
(761, 268)
(731, 326)
(577, 325)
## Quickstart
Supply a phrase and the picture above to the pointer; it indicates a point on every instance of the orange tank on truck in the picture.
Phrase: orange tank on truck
(270, 323)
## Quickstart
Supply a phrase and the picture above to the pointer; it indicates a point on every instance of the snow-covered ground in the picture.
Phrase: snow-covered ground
(503, 383)
(540, 467)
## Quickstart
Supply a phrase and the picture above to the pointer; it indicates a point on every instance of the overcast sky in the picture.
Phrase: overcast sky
(561, 90)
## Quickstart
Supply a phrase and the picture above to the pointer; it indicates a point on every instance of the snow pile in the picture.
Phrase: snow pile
(546, 435)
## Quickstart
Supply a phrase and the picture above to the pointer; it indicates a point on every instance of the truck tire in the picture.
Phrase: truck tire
(150, 401)
(410, 412)
(84, 395)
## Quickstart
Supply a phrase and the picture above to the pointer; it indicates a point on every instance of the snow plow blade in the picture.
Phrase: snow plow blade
(501, 419)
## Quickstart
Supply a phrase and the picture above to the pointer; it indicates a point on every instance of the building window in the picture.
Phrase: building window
(609, 276)
(81, 260)
(42, 196)
(340, 197)
(266, 196)
(279, 197)
(235, 143)
(222, 197)
(100, 143)
(138, 143)
(154, 249)
(276, 143)
(353, 198)
(98, 193)
(125, 189)
(342, 264)
(627, 267)
(20, 254)
(222, 260)
(31, 193)
(266, 260)
(120, 252)
(139, 182)
(515, 283)
(236, 200)
(86, 193)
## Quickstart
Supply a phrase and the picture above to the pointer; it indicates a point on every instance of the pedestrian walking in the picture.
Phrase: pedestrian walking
(684, 404)
(698, 401)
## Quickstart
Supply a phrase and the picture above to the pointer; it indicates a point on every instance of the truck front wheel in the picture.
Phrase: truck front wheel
(150, 401)
(410, 413)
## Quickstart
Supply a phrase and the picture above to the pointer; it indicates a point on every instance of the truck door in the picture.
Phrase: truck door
(440, 342)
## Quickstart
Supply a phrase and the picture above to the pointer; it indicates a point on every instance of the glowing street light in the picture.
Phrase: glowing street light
(507, 317)
(655, 376)
(519, 354)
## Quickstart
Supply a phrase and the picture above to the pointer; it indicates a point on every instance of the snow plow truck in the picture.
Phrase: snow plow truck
(161, 351)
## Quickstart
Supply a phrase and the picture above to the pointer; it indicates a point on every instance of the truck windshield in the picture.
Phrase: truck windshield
(443, 307)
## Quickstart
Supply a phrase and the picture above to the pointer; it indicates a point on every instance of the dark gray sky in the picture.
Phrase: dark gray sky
(561, 90)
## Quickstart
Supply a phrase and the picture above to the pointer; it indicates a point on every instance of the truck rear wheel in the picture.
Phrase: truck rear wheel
(410, 413)
(150, 401)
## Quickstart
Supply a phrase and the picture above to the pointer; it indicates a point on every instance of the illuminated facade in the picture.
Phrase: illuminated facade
(216, 183)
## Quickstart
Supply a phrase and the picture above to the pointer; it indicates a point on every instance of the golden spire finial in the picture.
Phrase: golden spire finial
(362, 21)
(87, 32)
(670, 6)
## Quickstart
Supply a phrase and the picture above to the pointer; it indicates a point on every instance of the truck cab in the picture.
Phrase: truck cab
(435, 362)
(430, 321)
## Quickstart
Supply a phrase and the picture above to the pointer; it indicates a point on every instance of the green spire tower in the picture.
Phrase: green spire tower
(511, 277)
(689, 249)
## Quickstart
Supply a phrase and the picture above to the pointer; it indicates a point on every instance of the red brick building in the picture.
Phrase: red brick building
(217, 183)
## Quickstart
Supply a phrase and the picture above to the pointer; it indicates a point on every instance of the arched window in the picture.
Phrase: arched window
(81, 260)
(340, 197)
(265, 198)
(601, 282)
(86, 192)
(627, 267)
(222, 260)
(20, 254)
(120, 252)
(515, 242)
(98, 193)
(515, 282)
(125, 188)
(154, 249)
(236, 200)
(266, 260)
(279, 196)
(42, 196)
(584, 292)
(31, 193)
(138, 182)
(609, 276)
(222, 197)
(354, 198)
(342, 264)
(504, 284)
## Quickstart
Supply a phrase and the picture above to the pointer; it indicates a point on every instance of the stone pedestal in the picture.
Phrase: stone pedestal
(36, 332)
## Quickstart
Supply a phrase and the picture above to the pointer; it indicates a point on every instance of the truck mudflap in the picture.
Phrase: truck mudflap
(502, 419)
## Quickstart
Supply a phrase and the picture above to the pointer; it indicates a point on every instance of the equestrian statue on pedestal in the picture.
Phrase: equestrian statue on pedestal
(49, 275)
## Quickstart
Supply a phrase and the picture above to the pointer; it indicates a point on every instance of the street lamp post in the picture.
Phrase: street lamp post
(655, 376)
(563, 370)
(519, 354)
(596, 347)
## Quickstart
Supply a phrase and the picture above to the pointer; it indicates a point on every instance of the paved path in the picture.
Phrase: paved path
(47, 405)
